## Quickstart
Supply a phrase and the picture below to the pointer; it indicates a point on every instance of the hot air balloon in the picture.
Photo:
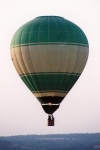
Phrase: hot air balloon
(49, 54)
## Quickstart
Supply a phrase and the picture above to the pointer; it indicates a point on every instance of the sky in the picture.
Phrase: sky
(20, 112)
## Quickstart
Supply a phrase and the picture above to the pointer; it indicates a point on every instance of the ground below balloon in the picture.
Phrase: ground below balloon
(51, 142)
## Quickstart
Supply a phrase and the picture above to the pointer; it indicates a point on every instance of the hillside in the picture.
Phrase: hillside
(51, 142)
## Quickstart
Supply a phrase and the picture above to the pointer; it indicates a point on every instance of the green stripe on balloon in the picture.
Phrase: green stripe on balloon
(49, 29)
(54, 81)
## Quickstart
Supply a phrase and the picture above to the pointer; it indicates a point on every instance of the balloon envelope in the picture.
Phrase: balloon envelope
(49, 54)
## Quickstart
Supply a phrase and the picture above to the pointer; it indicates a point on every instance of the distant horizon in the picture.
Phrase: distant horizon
(50, 134)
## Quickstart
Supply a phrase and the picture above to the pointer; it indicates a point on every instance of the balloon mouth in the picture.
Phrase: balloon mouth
(50, 104)
(50, 99)
(50, 108)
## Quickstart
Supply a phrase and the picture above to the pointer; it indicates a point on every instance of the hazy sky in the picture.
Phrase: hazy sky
(20, 112)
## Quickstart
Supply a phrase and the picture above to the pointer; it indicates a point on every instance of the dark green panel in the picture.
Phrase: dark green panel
(43, 25)
(49, 29)
(80, 37)
(63, 37)
(33, 82)
(35, 25)
(33, 37)
(54, 81)
(60, 25)
(73, 37)
(53, 36)
(25, 38)
(60, 80)
(52, 25)
(42, 37)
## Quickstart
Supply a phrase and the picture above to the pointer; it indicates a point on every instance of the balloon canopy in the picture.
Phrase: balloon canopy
(49, 54)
